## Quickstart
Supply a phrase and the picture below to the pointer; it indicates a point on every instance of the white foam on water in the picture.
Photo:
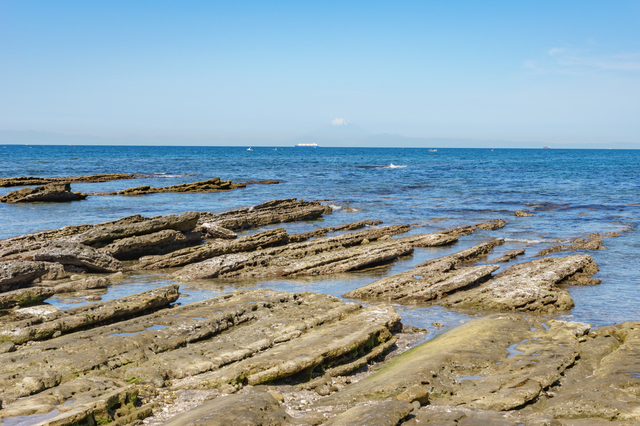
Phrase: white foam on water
(393, 166)
(334, 207)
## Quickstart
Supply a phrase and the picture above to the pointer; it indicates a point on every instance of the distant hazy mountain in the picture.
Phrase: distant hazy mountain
(341, 133)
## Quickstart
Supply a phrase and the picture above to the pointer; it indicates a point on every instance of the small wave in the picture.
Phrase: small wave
(523, 240)
(334, 207)
(165, 175)
(392, 166)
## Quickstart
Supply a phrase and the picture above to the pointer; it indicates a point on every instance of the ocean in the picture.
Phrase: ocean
(573, 193)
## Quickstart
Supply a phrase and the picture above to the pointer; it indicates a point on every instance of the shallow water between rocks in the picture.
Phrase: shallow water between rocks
(573, 193)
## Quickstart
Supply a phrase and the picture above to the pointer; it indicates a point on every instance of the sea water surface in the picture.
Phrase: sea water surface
(573, 193)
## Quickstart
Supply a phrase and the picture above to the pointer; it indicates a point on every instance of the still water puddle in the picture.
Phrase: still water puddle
(463, 378)
(29, 420)
(513, 351)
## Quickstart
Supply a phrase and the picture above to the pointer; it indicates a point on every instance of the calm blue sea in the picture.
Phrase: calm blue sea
(573, 192)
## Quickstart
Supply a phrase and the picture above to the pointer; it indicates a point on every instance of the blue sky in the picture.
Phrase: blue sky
(544, 71)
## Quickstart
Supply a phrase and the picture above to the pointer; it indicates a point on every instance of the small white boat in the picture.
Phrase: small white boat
(275, 149)
(249, 149)
(433, 150)
(308, 145)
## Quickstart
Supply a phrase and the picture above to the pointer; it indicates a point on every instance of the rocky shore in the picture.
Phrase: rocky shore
(268, 357)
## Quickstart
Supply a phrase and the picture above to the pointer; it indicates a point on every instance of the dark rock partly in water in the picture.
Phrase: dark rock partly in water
(510, 255)
(43, 327)
(492, 225)
(267, 213)
(529, 286)
(522, 213)
(579, 244)
(210, 185)
(255, 408)
(322, 232)
(431, 280)
(51, 193)
(157, 243)
(33, 180)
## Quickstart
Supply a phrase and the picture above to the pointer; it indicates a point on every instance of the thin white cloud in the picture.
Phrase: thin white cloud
(556, 51)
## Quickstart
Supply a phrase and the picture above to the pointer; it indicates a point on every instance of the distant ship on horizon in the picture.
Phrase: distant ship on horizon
(309, 145)
(546, 147)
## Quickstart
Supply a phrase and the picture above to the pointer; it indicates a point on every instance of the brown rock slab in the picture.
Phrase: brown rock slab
(414, 393)
(81, 255)
(34, 180)
(157, 243)
(25, 296)
(510, 255)
(18, 273)
(51, 193)
(209, 185)
(522, 213)
(268, 213)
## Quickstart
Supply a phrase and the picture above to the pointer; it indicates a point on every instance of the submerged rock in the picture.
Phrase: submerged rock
(522, 213)
(52, 193)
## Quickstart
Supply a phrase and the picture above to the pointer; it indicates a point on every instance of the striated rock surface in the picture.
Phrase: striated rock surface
(210, 185)
(18, 273)
(322, 232)
(322, 256)
(33, 180)
(43, 327)
(268, 213)
(67, 253)
(211, 230)
(52, 193)
(387, 413)
(24, 296)
(431, 280)
(157, 243)
(103, 235)
(522, 213)
(510, 255)
(530, 286)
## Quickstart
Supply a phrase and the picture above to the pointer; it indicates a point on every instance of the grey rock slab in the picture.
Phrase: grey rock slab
(103, 235)
(386, 413)
(511, 254)
(157, 243)
(77, 254)
(89, 283)
(529, 286)
(249, 409)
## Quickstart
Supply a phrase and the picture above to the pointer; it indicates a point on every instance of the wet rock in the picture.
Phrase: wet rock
(255, 408)
(522, 213)
(81, 255)
(511, 254)
(431, 280)
(19, 273)
(211, 230)
(387, 413)
(272, 237)
(268, 213)
(33, 180)
(52, 193)
(530, 286)
(103, 235)
(25, 296)
(157, 243)
(43, 327)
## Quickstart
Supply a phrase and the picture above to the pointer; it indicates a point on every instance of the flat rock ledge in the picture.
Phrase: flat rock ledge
(51, 193)
(209, 185)
(34, 180)
(91, 373)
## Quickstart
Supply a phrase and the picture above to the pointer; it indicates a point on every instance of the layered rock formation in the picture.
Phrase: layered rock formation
(33, 180)
(51, 193)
